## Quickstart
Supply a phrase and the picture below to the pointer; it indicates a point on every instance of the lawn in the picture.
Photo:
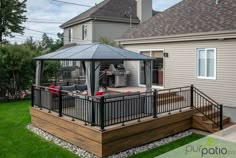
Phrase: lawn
(168, 147)
(18, 142)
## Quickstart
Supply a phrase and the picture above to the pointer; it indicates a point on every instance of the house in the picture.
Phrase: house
(109, 19)
(115, 121)
(194, 42)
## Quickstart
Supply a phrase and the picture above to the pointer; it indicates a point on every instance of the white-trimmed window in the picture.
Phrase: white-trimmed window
(70, 35)
(206, 63)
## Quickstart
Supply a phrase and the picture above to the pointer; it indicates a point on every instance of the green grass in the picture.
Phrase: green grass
(168, 147)
(18, 142)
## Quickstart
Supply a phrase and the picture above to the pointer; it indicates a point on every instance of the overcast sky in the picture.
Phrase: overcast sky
(57, 13)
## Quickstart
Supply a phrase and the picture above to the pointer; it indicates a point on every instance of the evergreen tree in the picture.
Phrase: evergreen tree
(11, 17)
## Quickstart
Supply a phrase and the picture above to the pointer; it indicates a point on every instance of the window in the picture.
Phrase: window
(206, 63)
(74, 63)
(70, 35)
(157, 72)
(84, 32)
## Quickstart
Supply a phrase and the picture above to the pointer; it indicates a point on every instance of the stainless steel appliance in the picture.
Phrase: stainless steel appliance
(117, 75)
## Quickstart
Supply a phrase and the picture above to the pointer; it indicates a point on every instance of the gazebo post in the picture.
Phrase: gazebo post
(92, 85)
(38, 75)
(92, 81)
(148, 78)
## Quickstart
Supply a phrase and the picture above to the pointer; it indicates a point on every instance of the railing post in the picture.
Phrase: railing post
(221, 116)
(40, 98)
(155, 95)
(93, 113)
(191, 96)
(32, 95)
(102, 101)
(60, 103)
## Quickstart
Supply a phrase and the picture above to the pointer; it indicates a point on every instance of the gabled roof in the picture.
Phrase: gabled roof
(117, 10)
(186, 17)
(95, 51)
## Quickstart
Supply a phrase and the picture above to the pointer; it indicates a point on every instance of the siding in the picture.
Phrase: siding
(180, 67)
(96, 29)
(111, 30)
(77, 33)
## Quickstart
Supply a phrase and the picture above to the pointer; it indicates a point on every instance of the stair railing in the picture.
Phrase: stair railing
(207, 106)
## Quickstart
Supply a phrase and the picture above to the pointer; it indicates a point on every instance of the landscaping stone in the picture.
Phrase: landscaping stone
(84, 154)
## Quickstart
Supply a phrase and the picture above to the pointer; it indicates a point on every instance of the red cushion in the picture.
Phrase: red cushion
(99, 93)
(53, 90)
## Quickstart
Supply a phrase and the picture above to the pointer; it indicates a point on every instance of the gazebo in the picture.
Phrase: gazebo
(93, 55)
(118, 121)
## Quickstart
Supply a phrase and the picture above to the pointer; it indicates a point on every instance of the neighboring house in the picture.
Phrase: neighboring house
(194, 42)
(110, 19)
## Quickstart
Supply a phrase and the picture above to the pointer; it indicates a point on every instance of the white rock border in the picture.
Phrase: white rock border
(85, 154)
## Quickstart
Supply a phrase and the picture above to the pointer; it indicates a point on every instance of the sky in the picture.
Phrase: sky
(47, 15)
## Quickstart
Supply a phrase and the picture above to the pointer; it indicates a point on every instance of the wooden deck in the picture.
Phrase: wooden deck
(115, 138)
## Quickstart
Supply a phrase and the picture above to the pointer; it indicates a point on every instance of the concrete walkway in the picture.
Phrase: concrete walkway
(228, 134)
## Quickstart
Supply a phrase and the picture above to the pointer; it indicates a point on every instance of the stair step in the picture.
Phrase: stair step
(160, 95)
(226, 120)
(225, 126)
(168, 100)
(204, 108)
(207, 114)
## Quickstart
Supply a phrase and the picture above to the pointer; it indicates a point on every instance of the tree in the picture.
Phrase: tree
(11, 17)
(48, 45)
(30, 43)
(16, 68)
(107, 41)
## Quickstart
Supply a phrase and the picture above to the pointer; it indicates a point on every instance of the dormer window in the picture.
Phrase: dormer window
(70, 35)
(84, 32)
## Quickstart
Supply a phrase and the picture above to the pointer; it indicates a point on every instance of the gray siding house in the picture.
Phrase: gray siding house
(110, 19)
(194, 42)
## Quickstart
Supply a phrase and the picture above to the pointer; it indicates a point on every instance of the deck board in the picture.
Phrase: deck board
(115, 138)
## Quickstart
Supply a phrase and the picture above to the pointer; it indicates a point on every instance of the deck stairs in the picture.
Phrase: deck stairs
(201, 121)
(205, 118)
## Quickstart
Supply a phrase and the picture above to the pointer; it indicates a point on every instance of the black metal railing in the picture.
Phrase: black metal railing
(169, 100)
(114, 109)
(207, 106)
(123, 108)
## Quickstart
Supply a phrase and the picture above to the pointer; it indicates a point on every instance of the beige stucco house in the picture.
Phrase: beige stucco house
(194, 42)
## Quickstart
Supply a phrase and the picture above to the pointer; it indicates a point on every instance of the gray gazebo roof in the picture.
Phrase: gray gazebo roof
(95, 51)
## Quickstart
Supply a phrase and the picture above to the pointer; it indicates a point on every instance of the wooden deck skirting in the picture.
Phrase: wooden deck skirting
(113, 139)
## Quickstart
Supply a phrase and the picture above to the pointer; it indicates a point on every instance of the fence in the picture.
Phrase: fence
(120, 108)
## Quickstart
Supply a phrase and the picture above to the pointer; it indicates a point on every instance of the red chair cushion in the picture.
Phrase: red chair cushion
(52, 88)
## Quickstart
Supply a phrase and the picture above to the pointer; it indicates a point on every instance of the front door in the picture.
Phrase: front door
(158, 68)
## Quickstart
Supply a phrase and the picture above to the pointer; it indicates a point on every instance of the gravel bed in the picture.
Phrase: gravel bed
(85, 154)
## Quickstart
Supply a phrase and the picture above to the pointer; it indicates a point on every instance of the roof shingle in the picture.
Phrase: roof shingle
(188, 16)
(110, 9)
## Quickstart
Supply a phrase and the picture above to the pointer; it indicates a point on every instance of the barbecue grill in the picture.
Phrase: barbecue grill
(117, 75)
